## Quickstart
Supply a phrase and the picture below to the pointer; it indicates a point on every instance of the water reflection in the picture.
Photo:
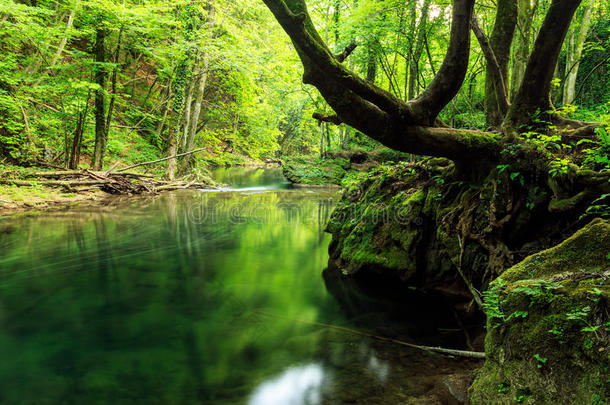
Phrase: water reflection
(146, 301)
(295, 386)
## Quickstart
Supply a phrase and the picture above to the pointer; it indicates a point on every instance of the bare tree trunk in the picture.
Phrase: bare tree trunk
(417, 51)
(577, 38)
(61, 46)
(534, 92)
(166, 107)
(203, 78)
(100, 100)
(500, 41)
(409, 53)
(78, 135)
(113, 85)
(523, 46)
(188, 104)
(172, 148)
(494, 73)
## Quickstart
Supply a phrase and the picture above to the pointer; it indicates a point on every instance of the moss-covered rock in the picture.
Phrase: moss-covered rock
(383, 224)
(548, 339)
(336, 166)
(303, 170)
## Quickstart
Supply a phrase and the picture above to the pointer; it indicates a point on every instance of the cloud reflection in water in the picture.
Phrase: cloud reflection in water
(295, 386)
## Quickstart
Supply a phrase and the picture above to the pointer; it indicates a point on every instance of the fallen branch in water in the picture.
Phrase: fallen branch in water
(452, 352)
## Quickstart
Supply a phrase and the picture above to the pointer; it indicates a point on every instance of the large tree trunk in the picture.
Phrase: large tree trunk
(500, 41)
(577, 38)
(404, 126)
(408, 126)
(100, 100)
(533, 95)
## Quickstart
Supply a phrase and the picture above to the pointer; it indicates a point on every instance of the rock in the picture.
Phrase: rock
(548, 339)
(316, 171)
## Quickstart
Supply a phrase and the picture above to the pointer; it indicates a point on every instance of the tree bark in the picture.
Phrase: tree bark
(500, 42)
(100, 100)
(494, 74)
(200, 95)
(533, 95)
(577, 38)
(523, 45)
(404, 126)
(422, 26)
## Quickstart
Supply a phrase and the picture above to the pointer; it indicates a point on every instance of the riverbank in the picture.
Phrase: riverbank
(15, 199)
(36, 188)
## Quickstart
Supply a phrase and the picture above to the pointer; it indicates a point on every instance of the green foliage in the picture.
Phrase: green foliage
(492, 300)
(250, 106)
(541, 360)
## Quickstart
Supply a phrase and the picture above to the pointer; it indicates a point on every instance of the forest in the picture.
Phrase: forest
(455, 156)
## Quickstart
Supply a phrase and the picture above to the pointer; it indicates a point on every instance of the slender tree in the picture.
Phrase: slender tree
(99, 54)
(500, 41)
(575, 43)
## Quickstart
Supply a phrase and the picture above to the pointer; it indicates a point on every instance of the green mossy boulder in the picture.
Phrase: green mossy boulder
(301, 170)
(383, 225)
(548, 339)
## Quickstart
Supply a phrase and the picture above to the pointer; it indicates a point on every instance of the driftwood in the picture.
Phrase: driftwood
(109, 181)
(80, 172)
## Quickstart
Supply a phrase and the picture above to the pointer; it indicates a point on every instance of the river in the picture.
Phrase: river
(194, 297)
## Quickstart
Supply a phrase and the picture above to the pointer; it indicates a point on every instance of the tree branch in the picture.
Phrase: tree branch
(333, 119)
(448, 81)
(402, 126)
(346, 52)
(536, 85)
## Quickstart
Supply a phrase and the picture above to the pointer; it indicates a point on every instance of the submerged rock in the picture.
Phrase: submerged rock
(548, 339)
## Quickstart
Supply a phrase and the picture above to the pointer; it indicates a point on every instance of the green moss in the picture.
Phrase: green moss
(569, 256)
(558, 352)
(316, 171)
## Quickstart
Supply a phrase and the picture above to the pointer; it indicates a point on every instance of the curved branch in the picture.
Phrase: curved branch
(321, 117)
(402, 126)
(448, 81)
(316, 57)
(536, 85)
(346, 52)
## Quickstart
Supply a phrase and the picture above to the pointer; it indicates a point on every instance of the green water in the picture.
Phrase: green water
(187, 298)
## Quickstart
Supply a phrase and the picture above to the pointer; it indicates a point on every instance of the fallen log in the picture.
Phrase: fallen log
(68, 173)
